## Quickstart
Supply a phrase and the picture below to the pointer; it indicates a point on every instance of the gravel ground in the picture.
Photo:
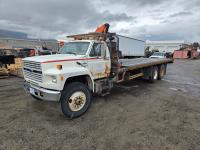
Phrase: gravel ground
(136, 115)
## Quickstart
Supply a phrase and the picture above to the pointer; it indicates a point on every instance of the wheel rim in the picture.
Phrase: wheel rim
(155, 75)
(77, 101)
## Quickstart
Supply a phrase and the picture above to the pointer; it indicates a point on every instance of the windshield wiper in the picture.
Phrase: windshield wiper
(70, 53)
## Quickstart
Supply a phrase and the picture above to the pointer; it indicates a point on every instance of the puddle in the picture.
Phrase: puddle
(186, 83)
(177, 89)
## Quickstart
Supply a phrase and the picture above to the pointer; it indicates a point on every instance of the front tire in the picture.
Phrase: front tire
(75, 100)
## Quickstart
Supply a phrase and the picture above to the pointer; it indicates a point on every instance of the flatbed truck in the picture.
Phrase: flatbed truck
(89, 64)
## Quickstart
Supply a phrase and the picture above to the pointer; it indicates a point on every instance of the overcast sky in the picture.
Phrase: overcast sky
(145, 19)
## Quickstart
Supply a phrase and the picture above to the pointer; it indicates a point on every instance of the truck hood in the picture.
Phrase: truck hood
(52, 58)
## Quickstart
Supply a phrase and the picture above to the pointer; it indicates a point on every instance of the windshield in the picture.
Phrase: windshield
(76, 48)
(158, 54)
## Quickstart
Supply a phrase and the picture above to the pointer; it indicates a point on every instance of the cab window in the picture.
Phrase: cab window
(97, 50)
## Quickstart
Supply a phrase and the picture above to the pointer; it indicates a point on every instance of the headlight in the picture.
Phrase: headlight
(54, 79)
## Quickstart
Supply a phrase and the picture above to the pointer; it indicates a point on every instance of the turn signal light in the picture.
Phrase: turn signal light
(59, 67)
(62, 78)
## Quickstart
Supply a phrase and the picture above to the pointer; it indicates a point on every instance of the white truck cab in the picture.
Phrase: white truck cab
(46, 76)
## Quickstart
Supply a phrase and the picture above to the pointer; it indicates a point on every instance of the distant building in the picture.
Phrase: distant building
(10, 43)
(167, 46)
(12, 34)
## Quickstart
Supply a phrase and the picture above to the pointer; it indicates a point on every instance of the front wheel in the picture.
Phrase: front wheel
(75, 99)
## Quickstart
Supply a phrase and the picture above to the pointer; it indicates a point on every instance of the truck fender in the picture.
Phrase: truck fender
(78, 73)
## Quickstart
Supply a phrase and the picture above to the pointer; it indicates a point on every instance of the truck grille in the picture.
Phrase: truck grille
(32, 70)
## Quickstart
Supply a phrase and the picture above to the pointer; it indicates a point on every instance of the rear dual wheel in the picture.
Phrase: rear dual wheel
(162, 70)
(154, 74)
(157, 73)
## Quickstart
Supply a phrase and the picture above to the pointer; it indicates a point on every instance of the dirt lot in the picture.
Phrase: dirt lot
(137, 115)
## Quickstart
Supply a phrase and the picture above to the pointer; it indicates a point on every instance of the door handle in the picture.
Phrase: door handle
(83, 64)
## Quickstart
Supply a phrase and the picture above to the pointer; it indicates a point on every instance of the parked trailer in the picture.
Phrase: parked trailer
(89, 64)
(131, 47)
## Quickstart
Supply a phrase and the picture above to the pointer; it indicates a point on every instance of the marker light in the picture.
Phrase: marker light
(59, 67)
(62, 78)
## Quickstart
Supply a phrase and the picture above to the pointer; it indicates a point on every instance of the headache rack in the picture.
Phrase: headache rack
(92, 36)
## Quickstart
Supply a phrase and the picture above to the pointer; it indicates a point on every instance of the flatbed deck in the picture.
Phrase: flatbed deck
(138, 63)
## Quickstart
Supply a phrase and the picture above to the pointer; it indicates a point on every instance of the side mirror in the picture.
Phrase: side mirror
(111, 38)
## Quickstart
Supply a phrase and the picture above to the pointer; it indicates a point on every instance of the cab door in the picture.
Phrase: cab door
(99, 62)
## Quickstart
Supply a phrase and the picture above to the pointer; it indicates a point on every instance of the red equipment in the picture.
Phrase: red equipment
(186, 53)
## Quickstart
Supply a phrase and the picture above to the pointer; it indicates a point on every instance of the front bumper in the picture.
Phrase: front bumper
(41, 93)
